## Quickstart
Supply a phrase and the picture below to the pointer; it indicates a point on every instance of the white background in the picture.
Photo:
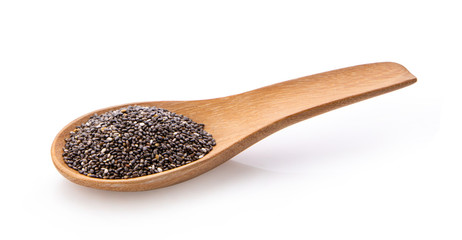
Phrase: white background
(386, 168)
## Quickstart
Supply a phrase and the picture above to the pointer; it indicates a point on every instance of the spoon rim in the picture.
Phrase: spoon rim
(111, 184)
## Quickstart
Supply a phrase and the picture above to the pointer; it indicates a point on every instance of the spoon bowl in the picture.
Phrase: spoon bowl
(238, 121)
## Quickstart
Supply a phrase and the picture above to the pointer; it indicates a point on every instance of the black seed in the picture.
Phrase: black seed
(135, 141)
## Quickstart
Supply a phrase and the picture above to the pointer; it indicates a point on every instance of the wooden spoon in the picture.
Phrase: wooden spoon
(238, 121)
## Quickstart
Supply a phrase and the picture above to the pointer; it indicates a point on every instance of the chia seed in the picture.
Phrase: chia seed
(135, 141)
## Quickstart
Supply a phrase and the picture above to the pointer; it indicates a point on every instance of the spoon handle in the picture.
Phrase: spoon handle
(274, 107)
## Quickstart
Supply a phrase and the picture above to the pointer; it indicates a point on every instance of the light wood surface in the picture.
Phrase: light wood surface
(238, 121)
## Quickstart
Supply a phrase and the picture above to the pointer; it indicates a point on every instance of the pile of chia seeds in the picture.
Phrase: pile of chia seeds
(135, 141)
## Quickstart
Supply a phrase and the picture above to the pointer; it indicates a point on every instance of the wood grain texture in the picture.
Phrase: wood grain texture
(238, 121)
